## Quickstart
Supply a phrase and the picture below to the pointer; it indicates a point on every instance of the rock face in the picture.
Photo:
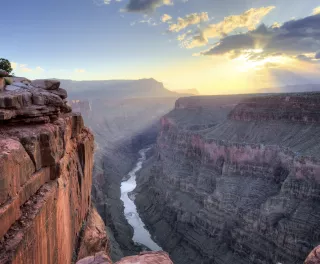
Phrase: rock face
(24, 102)
(94, 238)
(236, 180)
(143, 258)
(46, 161)
(46, 167)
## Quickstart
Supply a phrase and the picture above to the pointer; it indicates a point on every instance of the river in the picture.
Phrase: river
(141, 234)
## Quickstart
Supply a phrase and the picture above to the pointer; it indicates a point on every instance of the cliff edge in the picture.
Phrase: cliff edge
(46, 160)
(46, 163)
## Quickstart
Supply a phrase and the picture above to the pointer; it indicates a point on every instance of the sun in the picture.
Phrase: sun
(254, 60)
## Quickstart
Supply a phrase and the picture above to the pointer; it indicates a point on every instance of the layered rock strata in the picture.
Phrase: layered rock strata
(46, 164)
(236, 180)
(46, 161)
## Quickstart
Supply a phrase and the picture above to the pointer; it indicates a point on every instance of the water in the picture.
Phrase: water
(141, 234)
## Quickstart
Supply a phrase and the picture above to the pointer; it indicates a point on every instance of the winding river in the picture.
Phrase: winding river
(141, 234)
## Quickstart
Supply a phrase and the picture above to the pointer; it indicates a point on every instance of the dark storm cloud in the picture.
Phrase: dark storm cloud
(146, 6)
(293, 38)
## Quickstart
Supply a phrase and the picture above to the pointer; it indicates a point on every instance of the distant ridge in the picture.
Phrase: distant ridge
(117, 89)
(296, 88)
(188, 91)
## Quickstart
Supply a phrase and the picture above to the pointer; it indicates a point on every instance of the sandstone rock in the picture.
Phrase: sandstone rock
(21, 80)
(24, 103)
(42, 221)
(2, 84)
(314, 257)
(95, 237)
(12, 88)
(46, 84)
(99, 258)
(147, 258)
(60, 92)
(16, 168)
(143, 258)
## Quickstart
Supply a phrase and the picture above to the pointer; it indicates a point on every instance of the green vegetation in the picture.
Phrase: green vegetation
(6, 66)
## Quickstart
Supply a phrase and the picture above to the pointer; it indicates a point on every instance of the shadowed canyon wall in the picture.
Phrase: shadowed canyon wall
(122, 126)
(235, 179)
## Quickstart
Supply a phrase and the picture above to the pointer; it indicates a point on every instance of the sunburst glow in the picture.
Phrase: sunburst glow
(251, 60)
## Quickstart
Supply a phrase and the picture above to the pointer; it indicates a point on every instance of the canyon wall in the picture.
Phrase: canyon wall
(235, 179)
(46, 162)
(46, 168)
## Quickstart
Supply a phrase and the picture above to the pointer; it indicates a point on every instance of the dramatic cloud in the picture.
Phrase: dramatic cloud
(190, 19)
(316, 11)
(296, 38)
(146, 6)
(317, 55)
(249, 20)
(166, 18)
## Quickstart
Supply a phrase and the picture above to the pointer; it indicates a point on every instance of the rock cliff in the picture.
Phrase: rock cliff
(236, 179)
(46, 167)
(46, 161)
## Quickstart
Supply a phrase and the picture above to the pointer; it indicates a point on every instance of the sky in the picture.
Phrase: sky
(215, 46)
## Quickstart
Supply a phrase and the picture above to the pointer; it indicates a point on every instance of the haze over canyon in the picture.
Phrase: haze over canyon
(160, 132)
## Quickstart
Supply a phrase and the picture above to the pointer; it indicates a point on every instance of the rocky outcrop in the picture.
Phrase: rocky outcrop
(46, 161)
(94, 238)
(143, 258)
(235, 180)
(314, 256)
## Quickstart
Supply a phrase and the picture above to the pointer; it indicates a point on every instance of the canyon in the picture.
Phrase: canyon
(235, 179)
(46, 172)
(218, 179)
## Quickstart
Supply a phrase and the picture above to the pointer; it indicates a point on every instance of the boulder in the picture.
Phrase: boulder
(62, 93)
(314, 256)
(46, 84)
(144, 258)
(147, 258)
(99, 258)
(21, 80)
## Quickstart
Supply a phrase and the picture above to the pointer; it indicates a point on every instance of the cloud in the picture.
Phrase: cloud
(146, 6)
(293, 38)
(276, 25)
(249, 20)
(317, 56)
(316, 11)
(190, 19)
(148, 20)
(166, 18)
(23, 68)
